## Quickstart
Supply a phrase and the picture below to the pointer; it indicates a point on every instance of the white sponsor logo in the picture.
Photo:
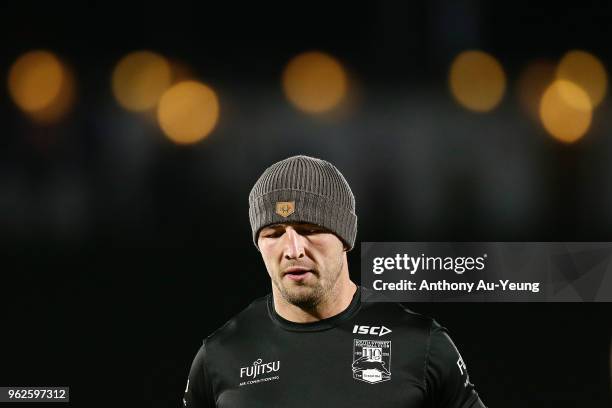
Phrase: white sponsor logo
(463, 371)
(258, 368)
(373, 330)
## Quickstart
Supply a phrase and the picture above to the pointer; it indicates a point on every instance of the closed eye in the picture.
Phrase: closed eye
(272, 233)
(312, 230)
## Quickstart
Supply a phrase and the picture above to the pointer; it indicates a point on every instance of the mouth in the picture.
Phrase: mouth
(297, 273)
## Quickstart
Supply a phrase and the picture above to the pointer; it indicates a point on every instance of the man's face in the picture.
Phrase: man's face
(304, 261)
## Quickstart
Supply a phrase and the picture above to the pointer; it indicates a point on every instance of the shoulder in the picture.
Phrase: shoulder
(407, 327)
(394, 311)
(400, 316)
(250, 319)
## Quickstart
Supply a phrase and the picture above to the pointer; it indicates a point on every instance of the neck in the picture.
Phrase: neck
(338, 299)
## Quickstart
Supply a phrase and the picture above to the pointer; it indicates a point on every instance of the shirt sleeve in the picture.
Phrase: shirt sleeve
(446, 377)
(198, 392)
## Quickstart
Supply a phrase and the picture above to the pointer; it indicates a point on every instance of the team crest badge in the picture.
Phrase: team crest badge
(285, 208)
(371, 360)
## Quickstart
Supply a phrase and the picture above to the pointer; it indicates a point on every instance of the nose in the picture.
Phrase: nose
(294, 245)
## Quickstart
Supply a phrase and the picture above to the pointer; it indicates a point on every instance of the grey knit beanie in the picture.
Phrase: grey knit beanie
(304, 189)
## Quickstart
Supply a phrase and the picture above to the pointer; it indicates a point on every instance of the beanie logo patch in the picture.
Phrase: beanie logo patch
(285, 208)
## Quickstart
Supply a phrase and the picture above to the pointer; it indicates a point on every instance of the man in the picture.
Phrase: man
(311, 342)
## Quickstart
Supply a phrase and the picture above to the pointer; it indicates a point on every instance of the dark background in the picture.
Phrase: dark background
(123, 251)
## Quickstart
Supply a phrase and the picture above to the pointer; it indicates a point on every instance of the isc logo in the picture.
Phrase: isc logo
(373, 330)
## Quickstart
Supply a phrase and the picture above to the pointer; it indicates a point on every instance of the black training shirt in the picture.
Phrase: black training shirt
(370, 355)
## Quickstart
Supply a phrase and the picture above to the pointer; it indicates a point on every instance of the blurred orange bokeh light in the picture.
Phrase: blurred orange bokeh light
(566, 111)
(42, 86)
(139, 80)
(188, 112)
(477, 81)
(315, 82)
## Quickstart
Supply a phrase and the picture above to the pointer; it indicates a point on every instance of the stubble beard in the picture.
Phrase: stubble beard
(309, 296)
